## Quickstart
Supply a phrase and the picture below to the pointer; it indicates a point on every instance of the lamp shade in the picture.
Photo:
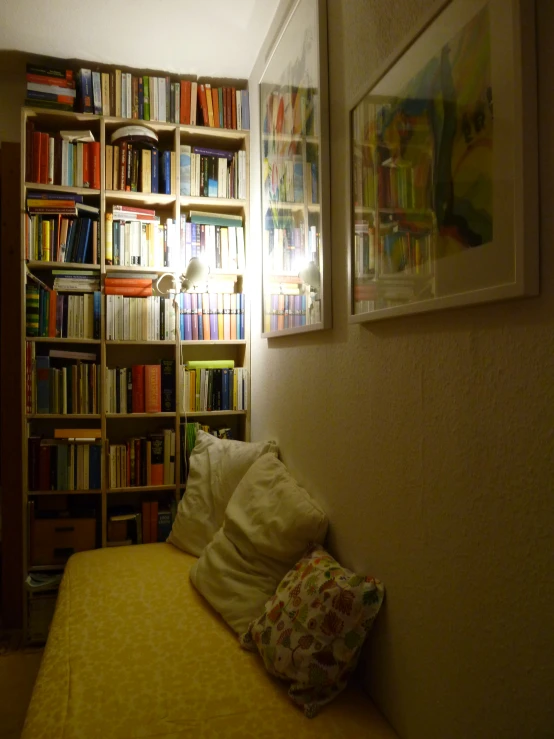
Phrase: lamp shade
(197, 272)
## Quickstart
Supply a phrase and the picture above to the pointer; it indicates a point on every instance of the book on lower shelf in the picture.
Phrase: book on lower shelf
(141, 388)
(143, 461)
(61, 464)
(54, 315)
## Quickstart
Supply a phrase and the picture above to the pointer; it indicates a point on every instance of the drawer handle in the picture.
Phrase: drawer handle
(64, 528)
(65, 552)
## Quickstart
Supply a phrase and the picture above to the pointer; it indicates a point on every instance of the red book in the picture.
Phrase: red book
(154, 521)
(129, 292)
(94, 164)
(37, 144)
(157, 459)
(39, 79)
(138, 388)
(146, 522)
(132, 209)
(128, 460)
(44, 467)
(86, 166)
(203, 104)
(123, 165)
(234, 107)
(185, 102)
(153, 388)
(52, 313)
(128, 282)
(44, 149)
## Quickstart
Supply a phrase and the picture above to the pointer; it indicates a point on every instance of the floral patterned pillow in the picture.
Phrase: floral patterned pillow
(312, 629)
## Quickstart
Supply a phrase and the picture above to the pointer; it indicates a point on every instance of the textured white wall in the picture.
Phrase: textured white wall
(430, 442)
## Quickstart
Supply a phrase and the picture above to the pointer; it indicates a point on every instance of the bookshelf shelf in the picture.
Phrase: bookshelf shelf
(141, 489)
(64, 492)
(61, 189)
(111, 416)
(147, 198)
(122, 435)
(63, 265)
(198, 414)
(57, 340)
(63, 416)
(215, 342)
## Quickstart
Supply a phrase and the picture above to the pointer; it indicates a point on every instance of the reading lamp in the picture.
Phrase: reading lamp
(196, 273)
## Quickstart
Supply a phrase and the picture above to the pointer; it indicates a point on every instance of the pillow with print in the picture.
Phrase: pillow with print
(312, 630)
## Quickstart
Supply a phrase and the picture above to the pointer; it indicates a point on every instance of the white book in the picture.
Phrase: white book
(52, 89)
(232, 238)
(177, 117)
(79, 154)
(221, 177)
(126, 319)
(239, 110)
(123, 95)
(241, 261)
(129, 106)
(65, 158)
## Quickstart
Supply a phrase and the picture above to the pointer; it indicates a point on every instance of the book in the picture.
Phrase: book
(168, 385)
(77, 433)
(152, 388)
(157, 459)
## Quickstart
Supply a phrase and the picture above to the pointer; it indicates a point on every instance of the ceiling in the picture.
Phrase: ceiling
(208, 38)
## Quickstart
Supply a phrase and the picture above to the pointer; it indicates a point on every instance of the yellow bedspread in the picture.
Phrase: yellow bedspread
(135, 651)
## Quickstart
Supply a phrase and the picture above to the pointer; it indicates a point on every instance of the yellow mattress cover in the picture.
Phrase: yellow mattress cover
(135, 651)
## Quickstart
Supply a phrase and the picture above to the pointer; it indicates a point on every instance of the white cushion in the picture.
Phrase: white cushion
(269, 522)
(216, 468)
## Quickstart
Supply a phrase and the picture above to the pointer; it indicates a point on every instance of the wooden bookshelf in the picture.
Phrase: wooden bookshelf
(116, 427)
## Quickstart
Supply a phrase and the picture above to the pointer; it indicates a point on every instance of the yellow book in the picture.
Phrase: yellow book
(108, 169)
(146, 184)
(46, 254)
(109, 238)
(210, 105)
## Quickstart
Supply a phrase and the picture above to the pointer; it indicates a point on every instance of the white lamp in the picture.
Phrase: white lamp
(196, 273)
(311, 276)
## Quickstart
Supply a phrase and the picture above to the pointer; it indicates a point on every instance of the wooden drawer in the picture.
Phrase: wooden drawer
(54, 540)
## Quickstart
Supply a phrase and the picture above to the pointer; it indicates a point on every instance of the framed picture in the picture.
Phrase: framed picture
(295, 175)
(444, 183)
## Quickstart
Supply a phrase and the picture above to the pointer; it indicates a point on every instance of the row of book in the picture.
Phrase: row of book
(288, 249)
(68, 158)
(212, 173)
(290, 180)
(60, 464)
(404, 184)
(61, 381)
(141, 388)
(216, 239)
(151, 98)
(140, 461)
(211, 316)
(142, 97)
(140, 318)
(60, 238)
(49, 314)
(214, 389)
(291, 311)
(135, 167)
(188, 432)
(136, 237)
(127, 526)
(291, 111)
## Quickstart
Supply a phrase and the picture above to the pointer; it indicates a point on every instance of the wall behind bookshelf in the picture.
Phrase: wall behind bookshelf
(116, 428)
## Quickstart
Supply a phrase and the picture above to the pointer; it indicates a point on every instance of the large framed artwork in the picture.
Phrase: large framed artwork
(444, 184)
(295, 175)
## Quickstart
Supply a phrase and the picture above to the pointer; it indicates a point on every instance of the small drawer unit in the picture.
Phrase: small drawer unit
(54, 540)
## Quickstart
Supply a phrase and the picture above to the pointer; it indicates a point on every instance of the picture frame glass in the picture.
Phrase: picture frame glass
(433, 170)
(291, 151)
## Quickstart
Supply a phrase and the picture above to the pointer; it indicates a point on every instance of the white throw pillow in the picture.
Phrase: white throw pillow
(269, 522)
(216, 468)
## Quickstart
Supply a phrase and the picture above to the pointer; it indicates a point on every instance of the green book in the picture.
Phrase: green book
(146, 92)
(32, 310)
(211, 364)
(215, 219)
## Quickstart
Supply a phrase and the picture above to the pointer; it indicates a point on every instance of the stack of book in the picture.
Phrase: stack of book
(141, 388)
(59, 227)
(135, 237)
(49, 314)
(72, 460)
(212, 173)
(140, 168)
(82, 281)
(152, 98)
(62, 381)
(215, 385)
(68, 158)
(211, 316)
(143, 461)
(139, 318)
(216, 238)
(49, 87)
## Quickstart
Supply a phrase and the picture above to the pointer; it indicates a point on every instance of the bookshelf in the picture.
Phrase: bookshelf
(116, 428)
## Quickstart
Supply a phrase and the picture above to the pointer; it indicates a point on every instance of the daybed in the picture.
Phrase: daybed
(135, 651)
